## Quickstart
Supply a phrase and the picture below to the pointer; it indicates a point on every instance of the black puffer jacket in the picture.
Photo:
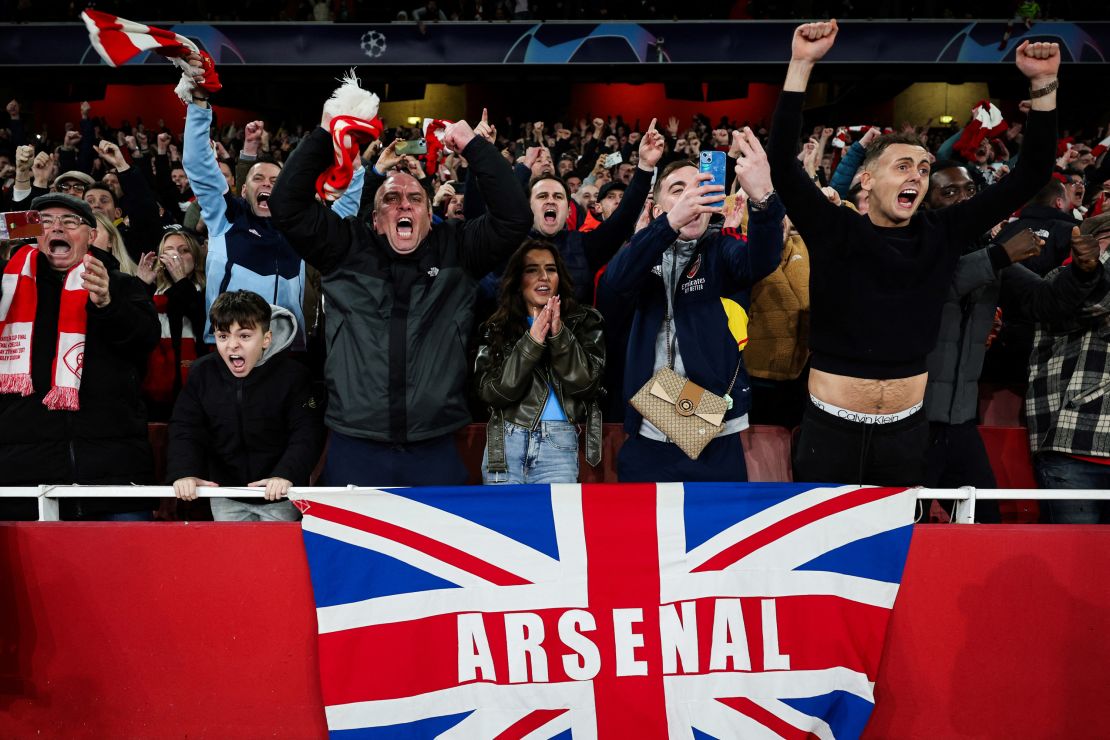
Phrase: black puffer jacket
(105, 442)
(234, 431)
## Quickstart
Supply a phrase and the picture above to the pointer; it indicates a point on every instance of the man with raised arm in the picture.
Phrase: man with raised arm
(878, 281)
(400, 295)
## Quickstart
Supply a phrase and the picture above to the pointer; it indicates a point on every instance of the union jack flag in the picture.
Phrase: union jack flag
(604, 611)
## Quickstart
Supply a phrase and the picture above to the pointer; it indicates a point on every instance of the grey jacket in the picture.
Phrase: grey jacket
(978, 288)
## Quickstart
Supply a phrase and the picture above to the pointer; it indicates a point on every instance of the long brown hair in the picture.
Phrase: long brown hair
(510, 320)
(195, 247)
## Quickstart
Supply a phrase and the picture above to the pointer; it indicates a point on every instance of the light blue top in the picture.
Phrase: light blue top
(552, 409)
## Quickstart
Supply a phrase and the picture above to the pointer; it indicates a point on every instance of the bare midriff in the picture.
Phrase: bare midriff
(867, 396)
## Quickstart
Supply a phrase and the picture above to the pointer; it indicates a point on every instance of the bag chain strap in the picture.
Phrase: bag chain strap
(670, 359)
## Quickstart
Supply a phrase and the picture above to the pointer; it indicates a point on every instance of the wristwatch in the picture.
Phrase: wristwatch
(761, 205)
(1042, 91)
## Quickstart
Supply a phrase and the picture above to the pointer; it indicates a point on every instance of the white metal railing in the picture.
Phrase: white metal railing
(965, 497)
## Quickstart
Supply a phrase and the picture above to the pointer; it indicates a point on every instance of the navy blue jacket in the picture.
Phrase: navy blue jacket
(723, 264)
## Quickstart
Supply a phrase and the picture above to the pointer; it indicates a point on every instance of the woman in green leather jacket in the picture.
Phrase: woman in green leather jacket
(539, 368)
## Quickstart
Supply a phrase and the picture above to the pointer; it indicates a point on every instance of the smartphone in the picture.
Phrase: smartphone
(613, 159)
(20, 225)
(418, 146)
(713, 162)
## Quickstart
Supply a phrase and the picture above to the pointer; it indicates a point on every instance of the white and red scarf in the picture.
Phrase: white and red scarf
(434, 129)
(18, 300)
(986, 123)
(119, 40)
(354, 123)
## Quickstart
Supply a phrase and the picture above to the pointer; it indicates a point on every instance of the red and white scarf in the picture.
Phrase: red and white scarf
(18, 300)
(348, 135)
(433, 137)
(119, 40)
(354, 122)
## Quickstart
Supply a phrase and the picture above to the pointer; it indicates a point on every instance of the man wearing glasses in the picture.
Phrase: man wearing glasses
(75, 334)
(73, 182)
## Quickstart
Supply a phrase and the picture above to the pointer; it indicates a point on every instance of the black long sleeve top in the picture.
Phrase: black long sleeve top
(876, 292)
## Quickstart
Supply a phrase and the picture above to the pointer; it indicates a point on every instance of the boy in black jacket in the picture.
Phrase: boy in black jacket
(245, 416)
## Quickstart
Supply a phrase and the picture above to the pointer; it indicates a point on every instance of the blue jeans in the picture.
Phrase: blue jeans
(547, 455)
(1057, 470)
(230, 510)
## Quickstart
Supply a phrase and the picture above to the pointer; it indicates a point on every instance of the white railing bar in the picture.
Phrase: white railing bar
(76, 491)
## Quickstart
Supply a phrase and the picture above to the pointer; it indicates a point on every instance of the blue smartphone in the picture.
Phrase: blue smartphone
(713, 162)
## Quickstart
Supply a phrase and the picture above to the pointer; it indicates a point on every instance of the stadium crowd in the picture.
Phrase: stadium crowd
(856, 282)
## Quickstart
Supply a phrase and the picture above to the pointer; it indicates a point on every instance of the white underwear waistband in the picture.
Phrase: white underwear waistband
(862, 418)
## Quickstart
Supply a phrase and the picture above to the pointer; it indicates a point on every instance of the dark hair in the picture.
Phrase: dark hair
(101, 185)
(510, 320)
(547, 176)
(853, 193)
(880, 145)
(949, 164)
(242, 307)
(675, 165)
(1052, 190)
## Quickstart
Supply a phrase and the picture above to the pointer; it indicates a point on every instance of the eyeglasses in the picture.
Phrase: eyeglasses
(69, 221)
(77, 187)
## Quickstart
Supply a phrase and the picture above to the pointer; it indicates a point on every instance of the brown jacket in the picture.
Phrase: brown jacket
(778, 329)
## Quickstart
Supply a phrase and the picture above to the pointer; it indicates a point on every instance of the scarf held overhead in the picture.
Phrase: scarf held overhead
(119, 40)
(18, 301)
(354, 122)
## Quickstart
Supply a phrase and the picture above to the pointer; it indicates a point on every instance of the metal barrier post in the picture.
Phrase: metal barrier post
(49, 509)
(964, 511)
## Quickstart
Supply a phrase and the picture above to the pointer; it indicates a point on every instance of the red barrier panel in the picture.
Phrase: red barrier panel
(206, 630)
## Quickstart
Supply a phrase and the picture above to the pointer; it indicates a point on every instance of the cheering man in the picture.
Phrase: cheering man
(878, 281)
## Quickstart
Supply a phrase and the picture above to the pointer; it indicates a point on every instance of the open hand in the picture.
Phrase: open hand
(541, 322)
(695, 201)
(1084, 250)
(95, 280)
(752, 169)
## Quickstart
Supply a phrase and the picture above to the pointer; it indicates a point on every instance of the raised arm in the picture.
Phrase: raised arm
(749, 263)
(1040, 63)
(493, 236)
(604, 241)
(205, 179)
(315, 231)
(806, 205)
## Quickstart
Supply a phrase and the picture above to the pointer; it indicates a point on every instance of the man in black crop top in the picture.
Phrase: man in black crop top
(877, 282)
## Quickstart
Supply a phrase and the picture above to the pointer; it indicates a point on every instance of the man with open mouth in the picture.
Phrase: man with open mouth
(75, 335)
(400, 293)
(878, 281)
(246, 251)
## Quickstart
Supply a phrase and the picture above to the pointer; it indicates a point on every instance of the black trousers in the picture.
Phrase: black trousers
(841, 452)
(643, 460)
(957, 457)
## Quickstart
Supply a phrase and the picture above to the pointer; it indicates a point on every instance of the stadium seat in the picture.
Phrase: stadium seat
(1001, 405)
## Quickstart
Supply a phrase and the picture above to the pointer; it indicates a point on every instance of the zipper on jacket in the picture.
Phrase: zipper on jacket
(242, 427)
(277, 280)
(967, 306)
(72, 449)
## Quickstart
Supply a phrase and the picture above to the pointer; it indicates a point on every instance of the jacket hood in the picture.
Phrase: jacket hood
(283, 326)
